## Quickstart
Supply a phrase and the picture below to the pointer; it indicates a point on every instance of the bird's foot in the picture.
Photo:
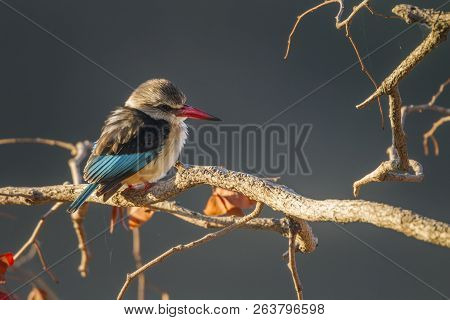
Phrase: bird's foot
(144, 186)
(148, 185)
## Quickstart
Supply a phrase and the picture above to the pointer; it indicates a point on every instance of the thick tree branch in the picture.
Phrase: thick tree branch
(437, 21)
(398, 134)
(398, 167)
(278, 197)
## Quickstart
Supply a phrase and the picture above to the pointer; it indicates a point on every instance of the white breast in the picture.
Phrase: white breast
(167, 157)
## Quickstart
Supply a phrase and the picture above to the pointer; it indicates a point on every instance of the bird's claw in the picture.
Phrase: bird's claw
(144, 186)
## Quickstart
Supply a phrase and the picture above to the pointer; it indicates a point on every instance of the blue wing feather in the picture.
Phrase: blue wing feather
(107, 168)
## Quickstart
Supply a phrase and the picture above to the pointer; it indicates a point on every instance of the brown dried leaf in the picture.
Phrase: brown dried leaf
(237, 199)
(137, 216)
(6, 261)
(227, 202)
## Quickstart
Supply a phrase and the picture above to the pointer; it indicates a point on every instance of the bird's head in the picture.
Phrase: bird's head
(161, 99)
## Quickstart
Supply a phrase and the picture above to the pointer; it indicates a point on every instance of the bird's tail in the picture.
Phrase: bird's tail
(74, 206)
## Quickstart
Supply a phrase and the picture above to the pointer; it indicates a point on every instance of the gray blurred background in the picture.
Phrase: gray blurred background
(227, 57)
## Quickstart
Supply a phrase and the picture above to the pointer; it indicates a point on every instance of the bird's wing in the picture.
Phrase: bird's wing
(130, 139)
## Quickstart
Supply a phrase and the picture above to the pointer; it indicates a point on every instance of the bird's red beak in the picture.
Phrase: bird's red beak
(194, 113)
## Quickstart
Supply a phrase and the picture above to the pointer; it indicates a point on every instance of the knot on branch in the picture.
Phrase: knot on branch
(412, 14)
(391, 170)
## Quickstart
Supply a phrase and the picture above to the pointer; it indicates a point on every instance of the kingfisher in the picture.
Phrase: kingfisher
(140, 141)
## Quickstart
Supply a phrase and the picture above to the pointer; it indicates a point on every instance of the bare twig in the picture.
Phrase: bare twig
(138, 261)
(292, 264)
(306, 241)
(430, 135)
(437, 21)
(77, 222)
(37, 230)
(79, 151)
(44, 264)
(390, 171)
(438, 93)
(82, 151)
(32, 240)
(364, 69)
(430, 106)
(423, 107)
(278, 197)
(339, 25)
(300, 17)
(400, 167)
(375, 13)
(49, 142)
(190, 245)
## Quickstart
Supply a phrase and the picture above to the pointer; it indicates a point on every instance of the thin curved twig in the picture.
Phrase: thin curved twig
(438, 93)
(430, 135)
(190, 245)
(430, 106)
(49, 142)
(306, 241)
(138, 261)
(37, 230)
(301, 16)
(339, 25)
(439, 24)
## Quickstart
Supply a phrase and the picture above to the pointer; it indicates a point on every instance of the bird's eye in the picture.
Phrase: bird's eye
(165, 107)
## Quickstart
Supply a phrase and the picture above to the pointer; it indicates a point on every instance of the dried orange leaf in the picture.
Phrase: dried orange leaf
(137, 216)
(237, 199)
(6, 261)
(37, 294)
(215, 206)
(227, 202)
